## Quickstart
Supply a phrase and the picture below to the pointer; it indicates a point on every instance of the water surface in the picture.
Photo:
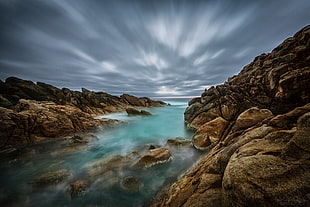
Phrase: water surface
(130, 138)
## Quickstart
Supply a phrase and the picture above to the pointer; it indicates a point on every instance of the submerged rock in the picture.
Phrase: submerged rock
(154, 157)
(131, 184)
(179, 142)
(82, 139)
(51, 178)
(132, 111)
(78, 188)
(98, 168)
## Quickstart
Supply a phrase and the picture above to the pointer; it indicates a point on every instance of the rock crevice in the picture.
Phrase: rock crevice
(256, 126)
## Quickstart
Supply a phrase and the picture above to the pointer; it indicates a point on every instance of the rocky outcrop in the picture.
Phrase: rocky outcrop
(14, 89)
(33, 121)
(154, 157)
(30, 112)
(256, 126)
(278, 81)
(144, 101)
(132, 111)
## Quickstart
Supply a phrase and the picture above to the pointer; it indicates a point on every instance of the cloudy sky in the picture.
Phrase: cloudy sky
(146, 48)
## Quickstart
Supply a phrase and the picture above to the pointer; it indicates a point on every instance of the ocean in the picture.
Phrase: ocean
(135, 135)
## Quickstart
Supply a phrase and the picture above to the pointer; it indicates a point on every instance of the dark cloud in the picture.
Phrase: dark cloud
(146, 48)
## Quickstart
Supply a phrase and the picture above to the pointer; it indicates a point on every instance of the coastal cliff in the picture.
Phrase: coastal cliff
(256, 127)
(31, 113)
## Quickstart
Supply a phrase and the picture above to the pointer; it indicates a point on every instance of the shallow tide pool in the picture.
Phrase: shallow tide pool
(104, 162)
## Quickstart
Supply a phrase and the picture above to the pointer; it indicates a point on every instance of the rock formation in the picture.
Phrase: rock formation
(132, 111)
(154, 157)
(30, 112)
(257, 128)
(14, 89)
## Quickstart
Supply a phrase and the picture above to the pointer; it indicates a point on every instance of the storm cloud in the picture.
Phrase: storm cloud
(145, 48)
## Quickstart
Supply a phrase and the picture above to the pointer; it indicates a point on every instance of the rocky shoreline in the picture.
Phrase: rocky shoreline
(32, 113)
(257, 128)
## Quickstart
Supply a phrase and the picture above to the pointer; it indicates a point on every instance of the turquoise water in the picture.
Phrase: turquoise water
(129, 140)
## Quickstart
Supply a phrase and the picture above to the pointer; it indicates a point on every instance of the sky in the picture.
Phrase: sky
(149, 48)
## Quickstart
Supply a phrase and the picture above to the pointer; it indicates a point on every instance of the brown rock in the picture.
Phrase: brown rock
(132, 111)
(209, 133)
(34, 112)
(251, 117)
(51, 178)
(299, 146)
(131, 184)
(99, 167)
(154, 157)
(178, 142)
(78, 188)
(259, 160)
(34, 120)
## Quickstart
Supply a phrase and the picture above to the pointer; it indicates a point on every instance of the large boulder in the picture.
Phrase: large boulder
(209, 133)
(251, 117)
(154, 157)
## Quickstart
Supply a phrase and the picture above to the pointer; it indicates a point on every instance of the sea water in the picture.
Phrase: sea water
(136, 134)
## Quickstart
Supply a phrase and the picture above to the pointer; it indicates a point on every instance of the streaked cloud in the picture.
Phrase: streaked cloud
(146, 48)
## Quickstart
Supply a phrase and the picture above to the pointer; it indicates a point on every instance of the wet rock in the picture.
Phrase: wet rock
(131, 184)
(108, 180)
(99, 167)
(152, 147)
(154, 157)
(179, 142)
(51, 178)
(132, 111)
(83, 139)
(78, 188)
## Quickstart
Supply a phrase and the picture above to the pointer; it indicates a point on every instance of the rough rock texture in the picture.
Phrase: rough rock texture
(261, 123)
(278, 81)
(154, 157)
(209, 133)
(31, 112)
(132, 111)
(14, 89)
(33, 121)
